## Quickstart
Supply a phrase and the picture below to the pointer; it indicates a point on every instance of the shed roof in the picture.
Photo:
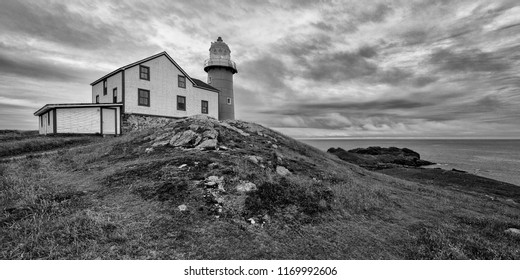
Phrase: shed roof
(48, 107)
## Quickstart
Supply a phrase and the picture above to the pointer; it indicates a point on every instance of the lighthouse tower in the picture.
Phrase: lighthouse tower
(220, 69)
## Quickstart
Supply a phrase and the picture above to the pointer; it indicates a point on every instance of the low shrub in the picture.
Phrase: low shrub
(308, 196)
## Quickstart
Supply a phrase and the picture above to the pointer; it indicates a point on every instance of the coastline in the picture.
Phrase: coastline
(494, 159)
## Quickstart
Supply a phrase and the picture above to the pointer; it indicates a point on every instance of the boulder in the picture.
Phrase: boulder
(255, 159)
(209, 144)
(210, 134)
(213, 181)
(228, 126)
(184, 139)
(182, 207)
(246, 187)
(161, 143)
(513, 231)
(282, 170)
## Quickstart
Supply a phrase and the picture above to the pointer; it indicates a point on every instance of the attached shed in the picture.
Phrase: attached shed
(82, 118)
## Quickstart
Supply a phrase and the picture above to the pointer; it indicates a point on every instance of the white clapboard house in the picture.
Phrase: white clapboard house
(155, 86)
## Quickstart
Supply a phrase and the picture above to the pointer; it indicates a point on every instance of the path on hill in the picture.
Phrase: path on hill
(45, 153)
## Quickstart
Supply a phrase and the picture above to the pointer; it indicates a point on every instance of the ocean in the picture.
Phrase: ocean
(495, 159)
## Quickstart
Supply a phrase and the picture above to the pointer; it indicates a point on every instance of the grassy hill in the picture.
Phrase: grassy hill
(202, 189)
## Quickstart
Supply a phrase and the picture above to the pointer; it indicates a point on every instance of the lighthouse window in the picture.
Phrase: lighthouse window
(144, 72)
(209, 80)
(181, 103)
(204, 107)
(143, 97)
(182, 81)
(229, 100)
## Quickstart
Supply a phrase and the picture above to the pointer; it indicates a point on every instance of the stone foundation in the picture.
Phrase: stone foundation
(132, 122)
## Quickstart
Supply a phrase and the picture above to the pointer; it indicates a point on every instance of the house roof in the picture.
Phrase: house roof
(202, 84)
(199, 84)
(48, 107)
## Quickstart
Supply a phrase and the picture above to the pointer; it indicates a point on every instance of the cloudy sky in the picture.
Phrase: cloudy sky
(307, 68)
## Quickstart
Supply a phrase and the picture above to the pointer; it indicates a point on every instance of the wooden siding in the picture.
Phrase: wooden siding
(114, 81)
(78, 120)
(163, 86)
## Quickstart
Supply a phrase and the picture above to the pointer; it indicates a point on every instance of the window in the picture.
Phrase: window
(97, 98)
(105, 87)
(114, 95)
(144, 72)
(209, 80)
(229, 100)
(182, 81)
(143, 97)
(204, 106)
(181, 103)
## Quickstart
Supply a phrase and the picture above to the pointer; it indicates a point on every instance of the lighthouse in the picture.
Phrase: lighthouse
(220, 69)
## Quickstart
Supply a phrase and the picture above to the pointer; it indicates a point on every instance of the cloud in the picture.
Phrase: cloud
(41, 69)
(473, 60)
(54, 21)
(426, 67)
(338, 66)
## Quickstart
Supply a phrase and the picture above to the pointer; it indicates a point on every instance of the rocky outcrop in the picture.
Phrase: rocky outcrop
(378, 157)
(200, 132)
(132, 122)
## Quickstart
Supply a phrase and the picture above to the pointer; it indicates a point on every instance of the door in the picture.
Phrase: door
(108, 120)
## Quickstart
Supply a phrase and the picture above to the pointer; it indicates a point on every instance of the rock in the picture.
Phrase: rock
(213, 165)
(210, 134)
(246, 187)
(513, 231)
(213, 181)
(511, 201)
(182, 166)
(184, 139)
(182, 207)
(161, 137)
(161, 143)
(255, 159)
(209, 144)
(194, 127)
(223, 148)
(148, 150)
(458, 170)
(275, 146)
(251, 220)
(228, 126)
(282, 170)
(210, 184)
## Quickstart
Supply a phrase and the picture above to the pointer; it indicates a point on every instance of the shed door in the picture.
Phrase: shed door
(109, 121)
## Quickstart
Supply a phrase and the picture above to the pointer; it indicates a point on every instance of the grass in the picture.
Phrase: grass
(15, 143)
(111, 200)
